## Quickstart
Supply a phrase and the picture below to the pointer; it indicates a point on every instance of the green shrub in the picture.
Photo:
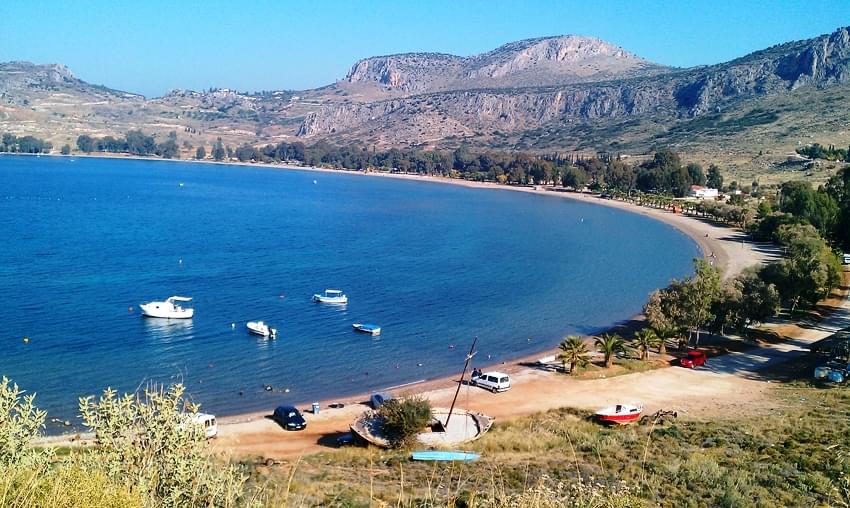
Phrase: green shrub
(147, 443)
(20, 422)
(404, 418)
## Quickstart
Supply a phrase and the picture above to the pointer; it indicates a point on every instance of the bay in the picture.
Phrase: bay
(85, 240)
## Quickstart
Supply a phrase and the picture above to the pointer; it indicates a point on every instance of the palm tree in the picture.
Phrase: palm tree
(646, 339)
(573, 351)
(663, 335)
(609, 345)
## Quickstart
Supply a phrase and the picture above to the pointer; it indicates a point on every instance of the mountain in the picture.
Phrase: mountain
(533, 62)
(546, 94)
(529, 91)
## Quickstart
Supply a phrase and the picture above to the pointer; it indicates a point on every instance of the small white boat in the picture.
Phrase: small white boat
(331, 296)
(367, 328)
(168, 309)
(262, 329)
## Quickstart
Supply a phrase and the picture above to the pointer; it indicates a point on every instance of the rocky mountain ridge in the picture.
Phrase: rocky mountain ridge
(533, 62)
(820, 62)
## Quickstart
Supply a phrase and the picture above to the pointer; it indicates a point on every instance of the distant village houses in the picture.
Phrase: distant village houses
(698, 191)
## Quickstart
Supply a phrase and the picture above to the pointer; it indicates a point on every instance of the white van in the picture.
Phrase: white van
(208, 422)
(846, 260)
(493, 381)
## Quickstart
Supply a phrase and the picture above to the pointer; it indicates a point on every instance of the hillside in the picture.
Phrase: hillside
(548, 94)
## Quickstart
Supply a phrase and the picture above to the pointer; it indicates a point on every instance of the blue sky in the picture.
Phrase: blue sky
(151, 46)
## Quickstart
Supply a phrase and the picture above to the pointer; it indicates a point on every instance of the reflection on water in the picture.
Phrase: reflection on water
(169, 330)
(265, 343)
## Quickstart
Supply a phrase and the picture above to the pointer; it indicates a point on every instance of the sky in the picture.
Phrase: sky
(152, 46)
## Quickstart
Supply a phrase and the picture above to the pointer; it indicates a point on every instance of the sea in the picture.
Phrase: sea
(86, 240)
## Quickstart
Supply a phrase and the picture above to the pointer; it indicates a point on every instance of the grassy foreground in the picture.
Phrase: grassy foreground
(791, 452)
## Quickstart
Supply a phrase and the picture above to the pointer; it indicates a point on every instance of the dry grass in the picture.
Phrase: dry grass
(787, 456)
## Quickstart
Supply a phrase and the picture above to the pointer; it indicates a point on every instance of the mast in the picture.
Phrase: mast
(460, 383)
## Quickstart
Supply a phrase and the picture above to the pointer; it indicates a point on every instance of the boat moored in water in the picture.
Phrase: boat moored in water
(331, 296)
(261, 329)
(367, 328)
(168, 309)
(620, 414)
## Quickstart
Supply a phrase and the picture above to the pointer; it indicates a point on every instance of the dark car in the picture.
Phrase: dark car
(346, 439)
(693, 359)
(289, 418)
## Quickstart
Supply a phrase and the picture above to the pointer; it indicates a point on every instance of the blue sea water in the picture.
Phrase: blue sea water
(435, 265)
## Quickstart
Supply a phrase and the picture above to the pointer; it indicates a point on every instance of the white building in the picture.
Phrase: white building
(698, 191)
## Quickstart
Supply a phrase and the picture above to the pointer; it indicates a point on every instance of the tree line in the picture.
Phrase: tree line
(809, 270)
(25, 144)
(664, 173)
(135, 142)
(830, 153)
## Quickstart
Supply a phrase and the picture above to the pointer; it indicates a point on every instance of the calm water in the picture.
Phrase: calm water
(434, 265)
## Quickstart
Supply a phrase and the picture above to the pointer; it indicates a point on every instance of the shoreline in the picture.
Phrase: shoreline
(732, 253)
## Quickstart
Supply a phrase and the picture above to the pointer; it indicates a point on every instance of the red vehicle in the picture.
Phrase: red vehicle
(693, 359)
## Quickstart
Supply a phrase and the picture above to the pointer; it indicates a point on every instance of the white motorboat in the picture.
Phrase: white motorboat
(331, 296)
(367, 328)
(261, 329)
(168, 309)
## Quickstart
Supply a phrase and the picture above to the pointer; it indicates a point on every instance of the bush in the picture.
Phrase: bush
(20, 422)
(147, 443)
(404, 418)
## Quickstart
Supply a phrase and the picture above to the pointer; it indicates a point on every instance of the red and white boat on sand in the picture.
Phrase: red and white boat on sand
(620, 414)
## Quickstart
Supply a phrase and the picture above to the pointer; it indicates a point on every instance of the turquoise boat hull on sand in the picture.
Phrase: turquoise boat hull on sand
(435, 455)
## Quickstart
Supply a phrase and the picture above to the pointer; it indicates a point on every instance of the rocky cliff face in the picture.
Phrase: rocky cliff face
(818, 62)
(412, 72)
(532, 62)
(495, 110)
(595, 81)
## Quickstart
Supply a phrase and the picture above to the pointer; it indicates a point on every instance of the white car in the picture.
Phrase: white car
(493, 381)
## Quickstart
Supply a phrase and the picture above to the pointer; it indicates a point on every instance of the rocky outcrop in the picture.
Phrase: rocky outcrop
(21, 75)
(22, 79)
(819, 62)
(411, 72)
(533, 62)
(556, 60)
(497, 110)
